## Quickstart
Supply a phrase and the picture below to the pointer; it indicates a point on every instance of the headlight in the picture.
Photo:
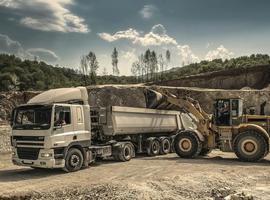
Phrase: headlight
(46, 155)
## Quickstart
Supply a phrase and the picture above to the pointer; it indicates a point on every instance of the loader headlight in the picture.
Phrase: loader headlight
(46, 155)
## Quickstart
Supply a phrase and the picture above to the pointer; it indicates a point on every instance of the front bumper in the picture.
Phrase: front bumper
(41, 162)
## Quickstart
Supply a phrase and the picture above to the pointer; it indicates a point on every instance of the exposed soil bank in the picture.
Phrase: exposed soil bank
(257, 77)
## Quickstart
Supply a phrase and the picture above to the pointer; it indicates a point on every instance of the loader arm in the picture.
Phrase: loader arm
(190, 106)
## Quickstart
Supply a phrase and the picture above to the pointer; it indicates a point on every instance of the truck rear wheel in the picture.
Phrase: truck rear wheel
(165, 145)
(153, 147)
(73, 160)
(250, 146)
(187, 145)
(126, 152)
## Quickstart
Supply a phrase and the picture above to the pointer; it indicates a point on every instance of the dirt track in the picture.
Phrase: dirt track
(145, 177)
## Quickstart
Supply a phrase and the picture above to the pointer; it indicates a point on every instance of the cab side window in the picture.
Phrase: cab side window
(62, 116)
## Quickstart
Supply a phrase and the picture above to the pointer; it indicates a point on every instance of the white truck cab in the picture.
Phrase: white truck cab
(44, 128)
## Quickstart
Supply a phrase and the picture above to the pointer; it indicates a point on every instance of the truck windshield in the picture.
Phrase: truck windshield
(33, 117)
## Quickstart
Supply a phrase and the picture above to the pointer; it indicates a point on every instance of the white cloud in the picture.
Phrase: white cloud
(187, 55)
(220, 53)
(156, 37)
(47, 15)
(148, 11)
(129, 34)
(9, 46)
(43, 54)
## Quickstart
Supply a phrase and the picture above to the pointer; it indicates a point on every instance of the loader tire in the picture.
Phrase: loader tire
(187, 145)
(126, 152)
(165, 145)
(74, 160)
(250, 146)
(205, 151)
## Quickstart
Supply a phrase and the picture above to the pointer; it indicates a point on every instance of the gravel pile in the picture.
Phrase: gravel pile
(96, 192)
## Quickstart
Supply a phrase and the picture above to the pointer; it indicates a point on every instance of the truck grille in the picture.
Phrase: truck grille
(28, 153)
(29, 138)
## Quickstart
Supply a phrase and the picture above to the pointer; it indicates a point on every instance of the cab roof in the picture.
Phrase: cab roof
(61, 95)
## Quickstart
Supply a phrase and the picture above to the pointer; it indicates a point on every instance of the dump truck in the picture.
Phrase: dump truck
(58, 129)
(227, 129)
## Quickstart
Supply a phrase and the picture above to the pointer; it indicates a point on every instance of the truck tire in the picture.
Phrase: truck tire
(165, 145)
(74, 160)
(153, 147)
(187, 145)
(172, 144)
(250, 146)
(126, 152)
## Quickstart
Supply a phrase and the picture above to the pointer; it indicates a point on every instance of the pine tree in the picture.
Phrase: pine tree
(115, 62)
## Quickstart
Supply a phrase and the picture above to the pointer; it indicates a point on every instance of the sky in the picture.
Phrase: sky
(61, 31)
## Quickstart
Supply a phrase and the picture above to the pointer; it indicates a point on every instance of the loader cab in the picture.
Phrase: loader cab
(228, 111)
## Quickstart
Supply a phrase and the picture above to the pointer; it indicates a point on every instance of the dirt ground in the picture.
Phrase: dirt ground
(161, 177)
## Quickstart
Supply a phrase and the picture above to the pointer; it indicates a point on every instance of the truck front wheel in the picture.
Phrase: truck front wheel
(250, 146)
(187, 145)
(73, 160)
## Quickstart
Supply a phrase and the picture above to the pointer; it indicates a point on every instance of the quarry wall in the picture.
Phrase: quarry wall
(257, 77)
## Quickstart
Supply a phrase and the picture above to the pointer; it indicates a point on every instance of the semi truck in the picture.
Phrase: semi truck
(58, 129)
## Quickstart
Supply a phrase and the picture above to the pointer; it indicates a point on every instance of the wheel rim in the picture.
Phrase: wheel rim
(74, 160)
(249, 147)
(155, 147)
(127, 152)
(185, 145)
(166, 145)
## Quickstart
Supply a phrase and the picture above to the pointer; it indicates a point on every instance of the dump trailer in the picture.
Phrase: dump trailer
(58, 129)
(227, 129)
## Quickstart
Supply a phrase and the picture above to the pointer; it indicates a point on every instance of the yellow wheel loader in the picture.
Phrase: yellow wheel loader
(228, 129)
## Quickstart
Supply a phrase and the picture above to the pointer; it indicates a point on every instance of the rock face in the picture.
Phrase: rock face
(9, 100)
(257, 77)
(5, 139)
(133, 95)
(117, 95)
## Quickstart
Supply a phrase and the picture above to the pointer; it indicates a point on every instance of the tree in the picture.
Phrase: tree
(84, 68)
(135, 70)
(104, 72)
(168, 59)
(93, 66)
(142, 67)
(115, 62)
(147, 61)
(161, 64)
(153, 65)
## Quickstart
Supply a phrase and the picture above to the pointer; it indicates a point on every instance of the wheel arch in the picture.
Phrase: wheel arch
(81, 145)
(198, 134)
